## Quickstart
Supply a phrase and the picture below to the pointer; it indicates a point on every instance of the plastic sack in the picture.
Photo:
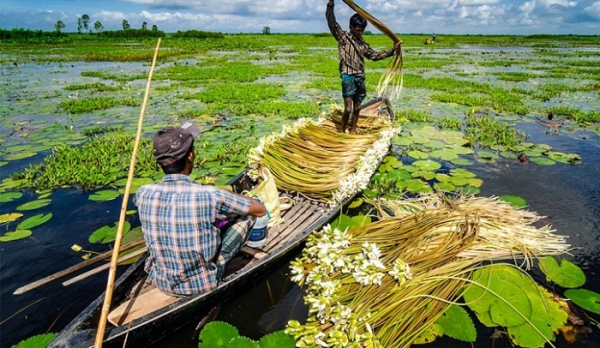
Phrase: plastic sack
(267, 193)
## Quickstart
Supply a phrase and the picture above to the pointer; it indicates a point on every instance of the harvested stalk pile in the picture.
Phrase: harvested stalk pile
(311, 158)
(383, 284)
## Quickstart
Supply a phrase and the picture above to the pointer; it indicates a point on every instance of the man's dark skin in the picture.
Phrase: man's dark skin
(352, 102)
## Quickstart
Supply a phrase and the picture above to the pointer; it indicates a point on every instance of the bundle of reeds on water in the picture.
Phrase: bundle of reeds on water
(310, 157)
(390, 83)
(385, 283)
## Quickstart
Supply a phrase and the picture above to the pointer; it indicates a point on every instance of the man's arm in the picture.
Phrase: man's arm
(333, 25)
(256, 208)
(375, 55)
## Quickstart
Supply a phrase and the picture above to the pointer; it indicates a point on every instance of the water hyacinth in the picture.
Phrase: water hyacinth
(384, 283)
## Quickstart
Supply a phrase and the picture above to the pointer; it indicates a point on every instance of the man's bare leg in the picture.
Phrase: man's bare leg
(346, 113)
(355, 114)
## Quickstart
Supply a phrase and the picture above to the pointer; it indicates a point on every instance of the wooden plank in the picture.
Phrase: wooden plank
(139, 306)
(310, 215)
(289, 236)
(72, 269)
(103, 267)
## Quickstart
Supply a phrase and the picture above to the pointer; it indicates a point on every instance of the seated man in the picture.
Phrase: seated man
(181, 219)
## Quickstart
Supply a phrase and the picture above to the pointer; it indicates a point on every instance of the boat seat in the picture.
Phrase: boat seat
(139, 306)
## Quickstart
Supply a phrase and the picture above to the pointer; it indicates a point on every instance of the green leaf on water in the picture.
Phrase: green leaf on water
(567, 274)
(40, 203)
(10, 217)
(36, 341)
(19, 155)
(462, 162)
(530, 305)
(487, 155)
(417, 154)
(107, 234)
(542, 161)
(16, 235)
(456, 323)
(34, 221)
(586, 299)
(444, 186)
(360, 220)
(427, 165)
(277, 339)
(217, 334)
(104, 195)
(242, 342)
(429, 335)
(515, 201)
(10, 196)
(403, 141)
(357, 202)
(342, 222)
(497, 290)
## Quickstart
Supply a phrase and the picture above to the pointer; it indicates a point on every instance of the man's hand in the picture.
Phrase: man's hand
(396, 45)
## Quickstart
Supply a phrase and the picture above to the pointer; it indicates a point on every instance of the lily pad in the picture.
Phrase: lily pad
(585, 299)
(104, 195)
(444, 186)
(468, 190)
(427, 165)
(487, 155)
(10, 217)
(277, 339)
(567, 274)
(444, 155)
(456, 323)
(40, 203)
(542, 161)
(403, 141)
(462, 162)
(417, 154)
(461, 172)
(19, 155)
(34, 221)
(10, 196)
(107, 234)
(217, 334)
(16, 235)
(355, 203)
(515, 201)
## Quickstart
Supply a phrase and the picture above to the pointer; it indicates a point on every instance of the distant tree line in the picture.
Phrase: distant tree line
(199, 34)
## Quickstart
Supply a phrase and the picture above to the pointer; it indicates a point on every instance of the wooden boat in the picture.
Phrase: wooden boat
(143, 314)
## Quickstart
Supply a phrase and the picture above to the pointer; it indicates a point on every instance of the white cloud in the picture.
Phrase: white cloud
(478, 2)
(593, 10)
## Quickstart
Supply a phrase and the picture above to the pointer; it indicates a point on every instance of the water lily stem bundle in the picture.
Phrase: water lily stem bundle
(319, 162)
(394, 76)
(385, 283)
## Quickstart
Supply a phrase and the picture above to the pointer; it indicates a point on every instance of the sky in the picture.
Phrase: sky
(472, 17)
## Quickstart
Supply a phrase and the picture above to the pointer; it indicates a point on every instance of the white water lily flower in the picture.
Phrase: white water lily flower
(401, 271)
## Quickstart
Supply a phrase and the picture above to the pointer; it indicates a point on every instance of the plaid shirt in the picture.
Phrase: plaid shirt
(179, 218)
(352, 49)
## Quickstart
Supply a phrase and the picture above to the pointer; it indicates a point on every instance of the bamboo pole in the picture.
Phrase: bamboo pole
(115, 255)
(74, 268)
(101, 268)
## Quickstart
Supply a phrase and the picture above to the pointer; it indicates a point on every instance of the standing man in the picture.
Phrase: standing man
(352, 52)
(181, 219)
